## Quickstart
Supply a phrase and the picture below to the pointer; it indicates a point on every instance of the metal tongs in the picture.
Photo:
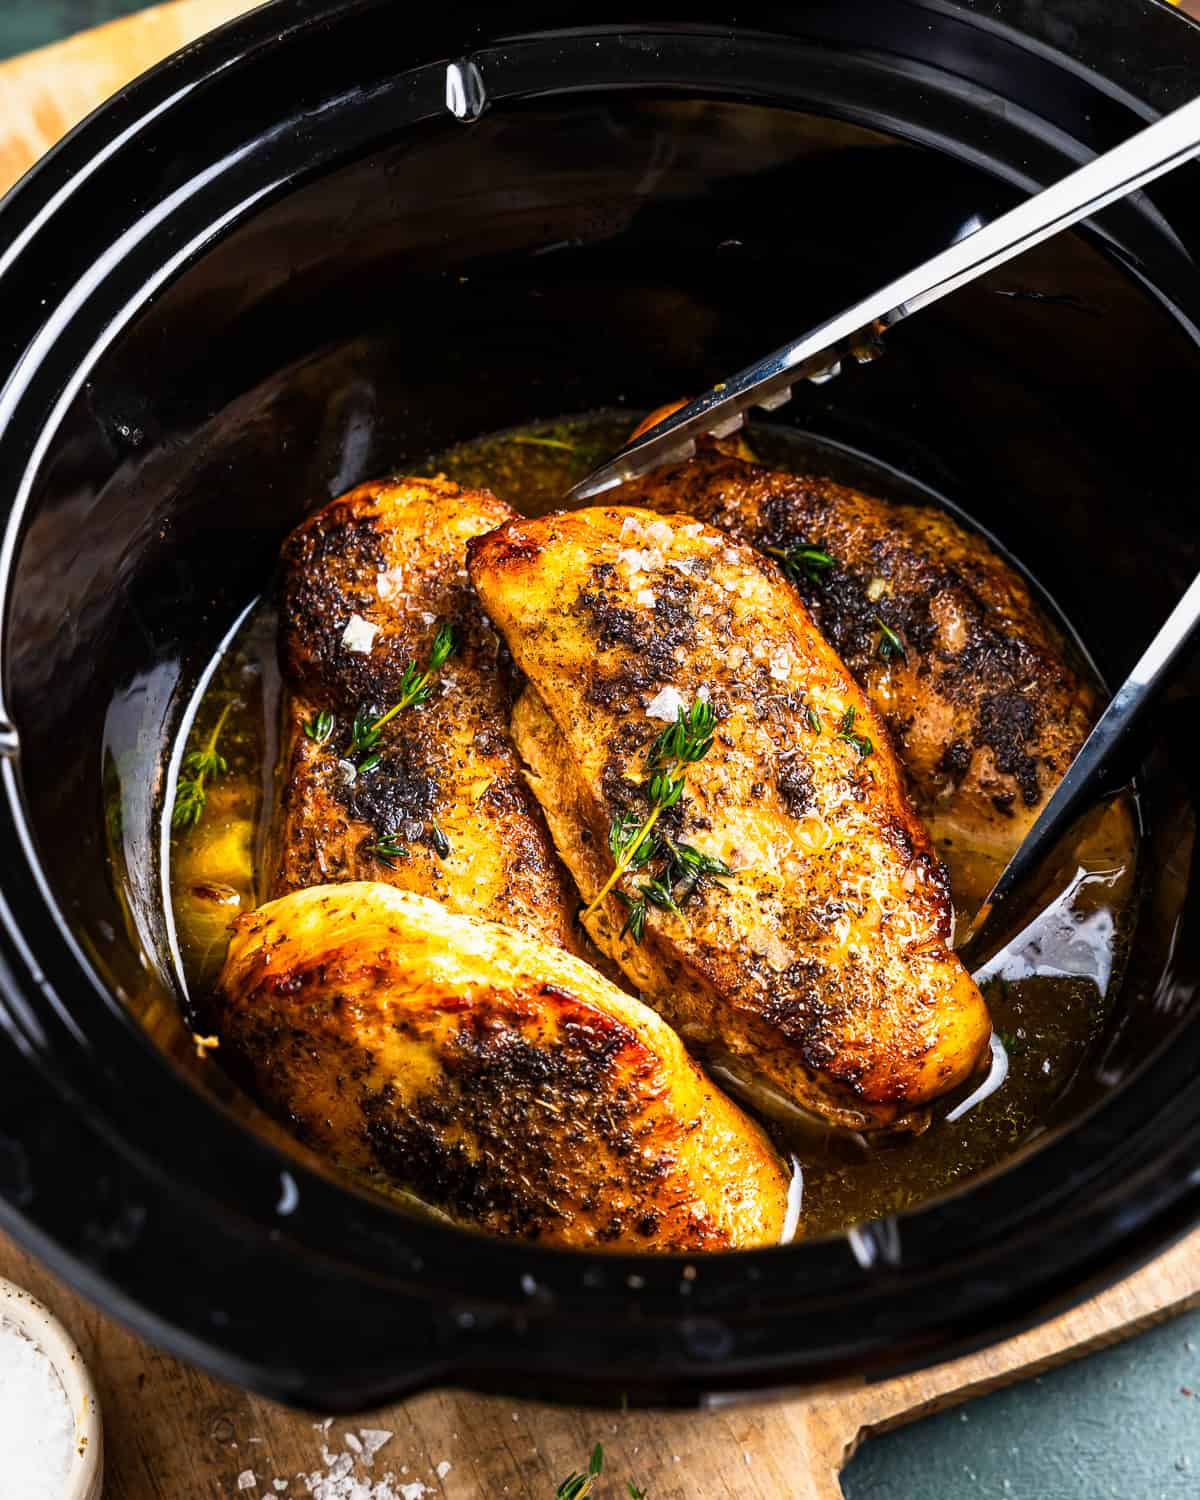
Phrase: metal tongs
(856, 333)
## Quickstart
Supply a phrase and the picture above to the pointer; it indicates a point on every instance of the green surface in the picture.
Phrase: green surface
(1121, 1425)
(1117, 1426)
(33, 23)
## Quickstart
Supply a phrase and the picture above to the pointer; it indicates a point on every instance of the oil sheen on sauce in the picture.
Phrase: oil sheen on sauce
(1049, 988)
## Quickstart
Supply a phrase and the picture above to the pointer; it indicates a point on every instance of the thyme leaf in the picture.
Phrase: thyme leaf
(320, 726)
(688, 870)
(803, 561)
(847, 732)
(387, 852)
(890, 644)
(533, 441)
(635, 921)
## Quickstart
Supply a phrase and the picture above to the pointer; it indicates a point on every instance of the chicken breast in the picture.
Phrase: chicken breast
(498, 1079)
(436, 803)
(983, 703)
(786, 911)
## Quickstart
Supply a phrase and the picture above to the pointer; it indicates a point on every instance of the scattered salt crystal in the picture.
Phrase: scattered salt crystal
(443, 1468)
(389, 584)
(414, 1491)
(632, 527)
(427, 618)
(353, 1443)
(781, 664)
(683, 564)
(359, 635)
(661, 533)
(373, 1438)
(640, 560)
(37, 1431)
(665, 704)
(280, 1485)
(246, 1480)
(645, 597)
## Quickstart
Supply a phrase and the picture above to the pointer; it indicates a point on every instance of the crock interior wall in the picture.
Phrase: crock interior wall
(548, 259)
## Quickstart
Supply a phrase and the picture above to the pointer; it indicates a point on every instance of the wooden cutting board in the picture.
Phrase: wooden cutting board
(173, 1432)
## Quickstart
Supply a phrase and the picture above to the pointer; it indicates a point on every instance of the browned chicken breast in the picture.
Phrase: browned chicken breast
(780, 903)
(430, 799)
(975, 686)
(500, 1080)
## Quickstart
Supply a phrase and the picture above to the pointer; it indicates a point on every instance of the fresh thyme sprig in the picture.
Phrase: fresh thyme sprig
(200, 766)
(685, 871)
(366, 731)
(686, 741)
(803, 561)
(890, 644)
(577, 1486)
(847, 732)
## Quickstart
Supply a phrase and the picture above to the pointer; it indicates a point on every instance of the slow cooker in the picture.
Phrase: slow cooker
(340, 233)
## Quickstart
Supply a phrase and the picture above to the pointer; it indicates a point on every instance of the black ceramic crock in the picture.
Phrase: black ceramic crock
(337, 235)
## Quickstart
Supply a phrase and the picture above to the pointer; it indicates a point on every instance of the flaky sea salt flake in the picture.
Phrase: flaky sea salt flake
(373, 1438)
(390, 583)
(665, 704)
(359, 635)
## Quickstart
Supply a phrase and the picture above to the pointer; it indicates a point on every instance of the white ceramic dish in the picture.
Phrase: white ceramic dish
(85, 1478)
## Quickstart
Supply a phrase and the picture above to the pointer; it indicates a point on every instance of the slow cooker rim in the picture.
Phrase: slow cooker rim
(327, 13)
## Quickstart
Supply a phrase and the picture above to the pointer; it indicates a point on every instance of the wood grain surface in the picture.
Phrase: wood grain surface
(172, 1431)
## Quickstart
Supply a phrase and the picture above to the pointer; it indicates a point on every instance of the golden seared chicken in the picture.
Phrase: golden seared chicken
(498, 1079)
(690, 732)
(974, 684)
(398, 761)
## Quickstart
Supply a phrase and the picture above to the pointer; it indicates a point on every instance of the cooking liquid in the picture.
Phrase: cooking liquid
(1048, 990)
